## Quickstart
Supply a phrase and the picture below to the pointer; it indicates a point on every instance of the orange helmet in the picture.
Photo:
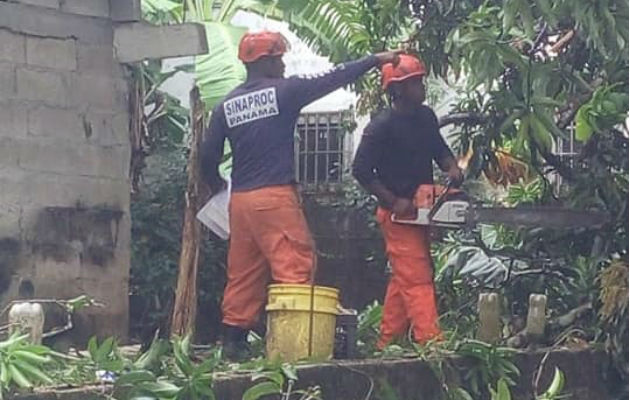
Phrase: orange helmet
(256, 45)
(407, 67)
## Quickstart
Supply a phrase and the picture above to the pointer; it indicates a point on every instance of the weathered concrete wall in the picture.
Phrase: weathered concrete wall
(351, 255)
(64, 158)
(414, 379)
(409, 379)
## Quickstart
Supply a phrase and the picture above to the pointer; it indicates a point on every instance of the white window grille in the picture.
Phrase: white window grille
(568, 150)
(322, 148)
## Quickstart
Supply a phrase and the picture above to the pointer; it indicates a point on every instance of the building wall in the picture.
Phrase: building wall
(64, 159)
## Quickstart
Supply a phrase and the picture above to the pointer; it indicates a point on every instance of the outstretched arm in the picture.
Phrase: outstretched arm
(305, 90)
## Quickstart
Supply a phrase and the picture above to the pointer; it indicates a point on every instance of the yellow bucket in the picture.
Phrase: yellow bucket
(289, 322)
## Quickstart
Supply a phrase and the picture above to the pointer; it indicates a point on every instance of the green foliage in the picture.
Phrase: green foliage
(157, 217)
(490, 364)
(606, 109)
(368, 327)
(22, 365)
(179, 379)
(219, 71)
(345, 30)
(105, 356)
(279, 379)
(502, 392)
(554, 390)
(525, 193)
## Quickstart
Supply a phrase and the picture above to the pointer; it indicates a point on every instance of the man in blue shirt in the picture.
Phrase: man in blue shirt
(270, 240)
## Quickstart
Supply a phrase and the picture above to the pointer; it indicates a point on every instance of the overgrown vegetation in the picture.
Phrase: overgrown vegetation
(529, 78)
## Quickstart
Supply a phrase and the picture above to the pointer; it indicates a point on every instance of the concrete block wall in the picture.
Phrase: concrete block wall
(64, 158)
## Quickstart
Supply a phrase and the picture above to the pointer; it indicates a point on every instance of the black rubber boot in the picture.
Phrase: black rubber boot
(235, 346)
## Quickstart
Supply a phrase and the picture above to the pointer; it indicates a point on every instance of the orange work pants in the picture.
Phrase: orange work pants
(410, 293)
(269, 240)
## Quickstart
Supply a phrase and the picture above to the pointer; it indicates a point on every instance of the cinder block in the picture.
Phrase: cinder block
(93, 8)
(45, 22)
(9, 217)
(125, 10)
(12, 47)
(40, 3)
(56, 123)
(96, 59)
(120, 127)
(106, 129)
(93, 91)
(140, 41)
(12, 120)
(8, 156)
(7, 81)
(75, 160)
(49, 87)
(121, 95)
(51, 53)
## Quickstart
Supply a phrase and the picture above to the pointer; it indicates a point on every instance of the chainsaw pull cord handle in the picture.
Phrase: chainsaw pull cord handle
(440, 199)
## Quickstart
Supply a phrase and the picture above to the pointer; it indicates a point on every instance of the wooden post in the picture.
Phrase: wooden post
(489, 308)
(185, 308)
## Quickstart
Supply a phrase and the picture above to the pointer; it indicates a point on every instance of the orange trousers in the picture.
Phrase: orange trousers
(410, 293)
(269, 240)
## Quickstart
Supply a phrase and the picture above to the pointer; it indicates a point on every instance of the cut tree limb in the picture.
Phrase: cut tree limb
(185, 308)
(563, 42)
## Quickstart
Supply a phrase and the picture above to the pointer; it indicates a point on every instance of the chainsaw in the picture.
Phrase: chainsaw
(447, 208)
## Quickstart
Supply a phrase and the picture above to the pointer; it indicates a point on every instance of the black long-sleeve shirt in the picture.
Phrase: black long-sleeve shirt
(398, 149)
(258, 118)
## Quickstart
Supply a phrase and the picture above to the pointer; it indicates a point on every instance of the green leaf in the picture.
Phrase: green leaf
(92, 347)
(4, 374)
(220, 71)
(503, 391)
(261, 389)
(204, 389)
(510, 9)
(12, 341)
(540, 134)
(545, 10)
(161, 388)
(105, 349)
(289, 371)
(135, 377)
(18, 377)
(33, 372)
(181, 358)
(78, 303)
(274, 376)
(583, 130)
(31, 357)
(557, 384)
(463, 394)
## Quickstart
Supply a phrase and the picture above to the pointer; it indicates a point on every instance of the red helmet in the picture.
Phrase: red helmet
(256, 45)
(407, 67)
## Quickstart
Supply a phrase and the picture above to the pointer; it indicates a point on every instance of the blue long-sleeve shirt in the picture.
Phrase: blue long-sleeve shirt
(258, 118)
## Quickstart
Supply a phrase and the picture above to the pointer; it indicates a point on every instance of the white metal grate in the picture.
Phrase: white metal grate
(322, 149)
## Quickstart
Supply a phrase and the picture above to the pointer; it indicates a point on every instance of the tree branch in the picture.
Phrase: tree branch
(463, 117)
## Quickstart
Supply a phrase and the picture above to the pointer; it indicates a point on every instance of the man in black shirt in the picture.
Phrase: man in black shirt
(394, 162)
